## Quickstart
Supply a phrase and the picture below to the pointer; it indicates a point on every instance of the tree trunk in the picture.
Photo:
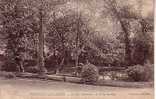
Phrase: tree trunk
(41, 46)
(127, 43)
(77, 60)
(77, 42)
(21, 67)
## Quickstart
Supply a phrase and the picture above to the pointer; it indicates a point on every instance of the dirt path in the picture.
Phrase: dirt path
(41, 89)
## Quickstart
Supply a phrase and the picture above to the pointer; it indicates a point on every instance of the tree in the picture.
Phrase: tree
(143, 49)
(43, 9)
(126, 15)
(12, 19)
(69, 33)
(23, 21)
(122, 15)
(82, 34)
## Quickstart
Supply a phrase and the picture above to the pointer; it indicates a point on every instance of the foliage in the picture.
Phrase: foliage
(143, 44)
(136, 31)
(69, 35)
(140, 73)
(110, 52)
(20, 21)
(9, 66)
(32, 69)
(89, 73)
(18, 30)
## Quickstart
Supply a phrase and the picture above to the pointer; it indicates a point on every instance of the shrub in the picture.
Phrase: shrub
(89, 74)
(150, 71)
(32, 69)
(140, 73)
(9, 66)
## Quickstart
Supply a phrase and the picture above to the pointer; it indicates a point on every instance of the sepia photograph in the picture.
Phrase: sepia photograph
(76, 49)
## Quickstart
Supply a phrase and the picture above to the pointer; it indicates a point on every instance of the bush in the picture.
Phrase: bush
(140, 73)
(32, 69)
(89, 74)
(9, 67)
(150, 71)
